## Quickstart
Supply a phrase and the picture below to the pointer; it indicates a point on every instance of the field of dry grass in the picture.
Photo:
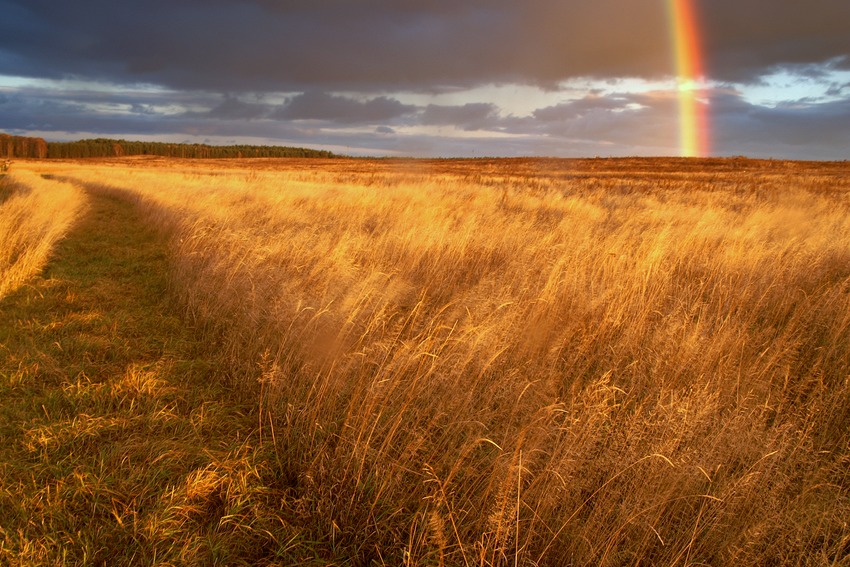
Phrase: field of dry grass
(529, 362)
(34, 214)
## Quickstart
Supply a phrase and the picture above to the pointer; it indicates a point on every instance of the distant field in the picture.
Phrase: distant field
(531, 362)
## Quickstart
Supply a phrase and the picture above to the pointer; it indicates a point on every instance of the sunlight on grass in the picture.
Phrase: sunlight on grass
(111, 411)
(489, 362)
(34, 214)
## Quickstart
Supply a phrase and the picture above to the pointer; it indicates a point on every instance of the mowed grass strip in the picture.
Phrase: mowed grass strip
(121, 443)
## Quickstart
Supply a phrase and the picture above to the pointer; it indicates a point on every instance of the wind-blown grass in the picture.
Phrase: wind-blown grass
(34, 214)
(525, 362)
(120, 445)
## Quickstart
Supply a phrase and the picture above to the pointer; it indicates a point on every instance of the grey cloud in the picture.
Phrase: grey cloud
(341, 109)
(472, 116)
(743, 40)
(231, 108)
(384, 45)
(578, 108)
(112, 96)
(369, 48)
(623, 124)
(803, 130)
(23, 113)
(838, 90)
(631, 114)
(143, 109)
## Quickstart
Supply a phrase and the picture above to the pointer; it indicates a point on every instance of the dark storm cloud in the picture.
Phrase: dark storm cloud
(341, 109)
(333, 44)
(314, 106)
(276, 70)
(257, 45)
(743, 39)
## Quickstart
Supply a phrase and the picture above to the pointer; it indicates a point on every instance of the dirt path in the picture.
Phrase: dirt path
(120, 444)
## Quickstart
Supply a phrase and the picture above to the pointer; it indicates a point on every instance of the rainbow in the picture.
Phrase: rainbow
(693, 109)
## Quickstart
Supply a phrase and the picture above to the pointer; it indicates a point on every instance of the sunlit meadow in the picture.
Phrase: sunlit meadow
(531, 362)
(34, 214)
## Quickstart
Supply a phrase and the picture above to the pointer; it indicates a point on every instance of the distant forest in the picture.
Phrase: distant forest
(23, 147)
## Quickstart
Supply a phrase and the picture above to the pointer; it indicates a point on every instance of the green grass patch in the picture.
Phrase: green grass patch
(121, 442)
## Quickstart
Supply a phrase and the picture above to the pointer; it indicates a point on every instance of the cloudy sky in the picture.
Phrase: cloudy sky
(427, 77)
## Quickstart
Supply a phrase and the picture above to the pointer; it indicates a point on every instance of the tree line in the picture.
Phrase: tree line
(23, 147)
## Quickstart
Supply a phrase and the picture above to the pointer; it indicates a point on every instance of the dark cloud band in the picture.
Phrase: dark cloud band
(326, 72)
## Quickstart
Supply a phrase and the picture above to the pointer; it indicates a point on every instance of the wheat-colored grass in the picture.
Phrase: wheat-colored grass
(525, 362)
(35, 213)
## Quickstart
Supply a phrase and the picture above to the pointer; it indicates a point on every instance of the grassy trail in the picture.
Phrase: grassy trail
(120, 442)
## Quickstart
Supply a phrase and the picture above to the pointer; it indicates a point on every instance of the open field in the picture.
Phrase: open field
(481, 362)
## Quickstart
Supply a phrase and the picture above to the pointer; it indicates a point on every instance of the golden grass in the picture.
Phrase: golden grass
(34, 214)
(530, 362)
(120, 445)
